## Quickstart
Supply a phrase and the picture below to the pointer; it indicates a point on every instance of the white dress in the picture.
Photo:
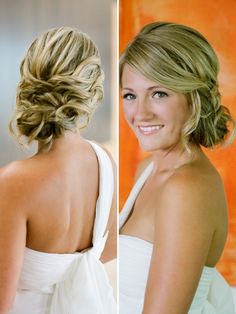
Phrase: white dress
(71, 283)
(213, 295)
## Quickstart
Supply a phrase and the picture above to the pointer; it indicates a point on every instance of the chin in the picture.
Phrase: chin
(149, 147)
(152, 146)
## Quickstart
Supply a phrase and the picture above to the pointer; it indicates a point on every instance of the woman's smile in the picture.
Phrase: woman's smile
(149, 129)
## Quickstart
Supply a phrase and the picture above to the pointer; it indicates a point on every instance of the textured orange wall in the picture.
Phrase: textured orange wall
(215, 20)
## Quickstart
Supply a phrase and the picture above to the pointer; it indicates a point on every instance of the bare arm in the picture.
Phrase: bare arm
(184, 228)
(12, 241)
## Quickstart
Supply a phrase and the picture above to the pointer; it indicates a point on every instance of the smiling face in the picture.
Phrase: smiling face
(156, 114)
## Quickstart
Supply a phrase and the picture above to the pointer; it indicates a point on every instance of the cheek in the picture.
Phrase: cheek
(128, 113)
(177, 113)
(175, 121)
(167, 115)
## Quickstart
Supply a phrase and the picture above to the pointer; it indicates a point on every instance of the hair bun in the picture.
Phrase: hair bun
(61, 84)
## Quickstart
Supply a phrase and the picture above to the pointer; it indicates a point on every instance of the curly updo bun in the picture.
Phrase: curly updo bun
(181, 59)
(61, 84)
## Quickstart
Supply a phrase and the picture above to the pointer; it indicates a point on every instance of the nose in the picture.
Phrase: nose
(143, 110)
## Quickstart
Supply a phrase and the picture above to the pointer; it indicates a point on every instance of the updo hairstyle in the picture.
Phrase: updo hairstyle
(181, 59)
(61, 83)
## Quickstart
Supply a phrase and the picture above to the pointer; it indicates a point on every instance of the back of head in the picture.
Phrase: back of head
(60, 86)
(181, 59)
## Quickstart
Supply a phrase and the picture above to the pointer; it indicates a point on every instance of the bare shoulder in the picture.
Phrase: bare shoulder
(193, 180)
(13, 190)
(12, 175)
(193, 191)
(18, 170)
(20, 179)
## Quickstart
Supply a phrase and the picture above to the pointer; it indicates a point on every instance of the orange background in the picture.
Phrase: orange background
(216, 21)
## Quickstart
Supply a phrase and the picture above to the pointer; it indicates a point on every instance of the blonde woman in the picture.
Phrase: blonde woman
(57, 208)
(174, 224)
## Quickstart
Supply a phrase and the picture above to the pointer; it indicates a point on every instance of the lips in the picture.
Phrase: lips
(150, 129)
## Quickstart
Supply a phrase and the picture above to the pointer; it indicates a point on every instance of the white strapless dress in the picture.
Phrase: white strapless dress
(213, 295)
(71, 283)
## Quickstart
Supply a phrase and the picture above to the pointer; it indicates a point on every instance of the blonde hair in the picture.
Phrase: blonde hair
(60, 86)
(181, 59)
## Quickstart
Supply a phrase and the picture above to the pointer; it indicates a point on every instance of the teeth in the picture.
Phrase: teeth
(150, 128)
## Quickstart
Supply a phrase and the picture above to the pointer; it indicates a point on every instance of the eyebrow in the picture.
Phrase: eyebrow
(149, 88)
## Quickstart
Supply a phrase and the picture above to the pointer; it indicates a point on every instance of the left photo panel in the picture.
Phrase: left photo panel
(58, 139)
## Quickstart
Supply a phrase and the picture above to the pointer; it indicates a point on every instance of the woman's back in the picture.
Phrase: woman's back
(59, 190)
(54, 282)
(65, 211)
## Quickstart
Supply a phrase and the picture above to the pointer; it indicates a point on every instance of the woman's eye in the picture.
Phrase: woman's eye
(128, 96)
(159, 94)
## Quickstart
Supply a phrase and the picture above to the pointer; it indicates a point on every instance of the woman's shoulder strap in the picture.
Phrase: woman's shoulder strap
(106, 190)
(133, 194)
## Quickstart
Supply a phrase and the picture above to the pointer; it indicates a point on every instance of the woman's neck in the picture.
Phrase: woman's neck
(174, 157)
(69, 139)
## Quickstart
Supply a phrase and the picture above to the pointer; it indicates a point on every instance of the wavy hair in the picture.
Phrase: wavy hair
(181, 59)
(61, 83)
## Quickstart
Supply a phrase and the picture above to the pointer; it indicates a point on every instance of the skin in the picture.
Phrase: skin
(181, 208)
(47, 203)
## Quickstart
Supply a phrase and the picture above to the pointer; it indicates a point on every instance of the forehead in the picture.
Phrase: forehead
(132, 78)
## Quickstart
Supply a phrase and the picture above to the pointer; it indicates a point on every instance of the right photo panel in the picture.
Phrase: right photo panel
(177, 156)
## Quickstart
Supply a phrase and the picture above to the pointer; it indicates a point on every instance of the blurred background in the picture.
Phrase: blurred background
(20, 23)
(216, 21)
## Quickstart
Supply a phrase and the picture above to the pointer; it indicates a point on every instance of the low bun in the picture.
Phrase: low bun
(212, 129)
(212, 119)
(61, 84)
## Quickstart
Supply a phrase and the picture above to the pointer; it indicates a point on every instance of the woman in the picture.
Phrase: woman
(57, 207)
(174, 224)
